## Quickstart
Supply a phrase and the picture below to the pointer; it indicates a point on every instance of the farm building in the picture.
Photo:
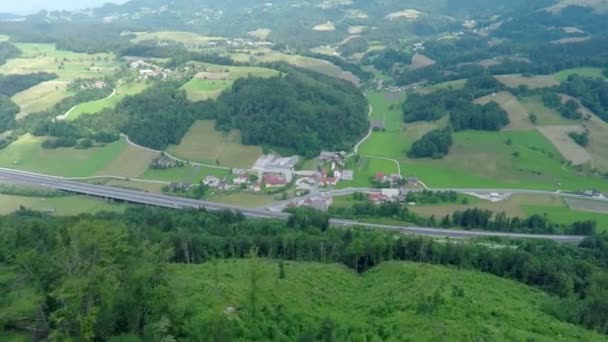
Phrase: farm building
(274, 180)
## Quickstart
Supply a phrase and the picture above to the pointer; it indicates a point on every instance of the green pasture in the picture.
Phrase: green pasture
(186, 174)
(97, 106)
(545, 116)
(387, 108)
(567, 216)
(64, 206)
(584, 71)
(41, 97)
(27, 154)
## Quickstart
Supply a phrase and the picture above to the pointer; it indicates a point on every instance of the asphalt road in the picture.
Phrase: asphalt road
(165, 201)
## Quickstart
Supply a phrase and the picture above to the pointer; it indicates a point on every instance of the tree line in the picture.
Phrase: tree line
(472, 218)
(97, 277)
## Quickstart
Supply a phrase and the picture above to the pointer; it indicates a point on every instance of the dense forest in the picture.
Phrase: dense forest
(434, 144)
(117, 264)
(159, 116)
(488, 117)
(299, 111)
(8, 110)
(8, 51)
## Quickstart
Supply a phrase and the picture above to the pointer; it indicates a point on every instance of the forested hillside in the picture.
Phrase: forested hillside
(135, 272)
(299, 111)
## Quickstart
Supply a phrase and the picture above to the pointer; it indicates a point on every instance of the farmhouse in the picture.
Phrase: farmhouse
(380, 177)
(211, 181)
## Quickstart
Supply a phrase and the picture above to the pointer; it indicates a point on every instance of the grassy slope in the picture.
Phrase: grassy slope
(199, 89)
(384, 301)
(46, 58)
(93, 107)
(204, 144)
(28, 154)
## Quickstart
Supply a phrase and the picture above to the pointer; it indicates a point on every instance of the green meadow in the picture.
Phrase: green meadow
(97, 106)
(27, 154)
(585, 72)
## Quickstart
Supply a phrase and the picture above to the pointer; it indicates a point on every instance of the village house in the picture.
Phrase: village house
(380, 177)
(241, 179)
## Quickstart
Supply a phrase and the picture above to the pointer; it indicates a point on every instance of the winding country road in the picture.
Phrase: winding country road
(140, 197)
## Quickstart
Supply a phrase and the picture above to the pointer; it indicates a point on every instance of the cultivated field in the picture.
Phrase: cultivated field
(387, 109)
(27, 154)
(131, 162)
(533, 82)
(40, 97)
(68, 65)
(356, 29)
(261, 33)
(204, 144)
(587, 205)
(570, 150)
(217, 78)
(520, 119)
(420, 61)
(111, 101)
(64, 206)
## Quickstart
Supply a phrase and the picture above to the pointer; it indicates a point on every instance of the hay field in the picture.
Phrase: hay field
(407, 14)
(570, 150)
(204, 144)
(261, 33)
(585, 72)
(97, 106)
(544, 116)
(188, 38)
(534, 82)
(325, 27)
(130, 162)
(519, 116)
(40, 97)
(64, 206)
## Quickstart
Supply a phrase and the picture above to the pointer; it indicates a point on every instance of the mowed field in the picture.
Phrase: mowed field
(41, 97)
(64, 206)
(217, 78)
(27, 154)
(93, 107)
(545, 116)
(204, 144)
(484, 160)
(520, 119)
(570, 150)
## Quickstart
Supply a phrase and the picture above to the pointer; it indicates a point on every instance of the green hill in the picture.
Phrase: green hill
(393, 301)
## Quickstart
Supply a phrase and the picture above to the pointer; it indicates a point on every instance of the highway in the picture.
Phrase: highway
(140, 197)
